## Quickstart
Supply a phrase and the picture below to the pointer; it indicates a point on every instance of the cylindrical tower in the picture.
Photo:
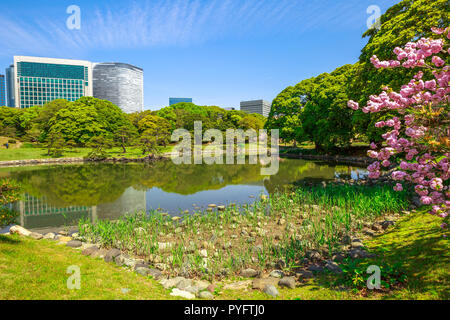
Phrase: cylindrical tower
(120, 83)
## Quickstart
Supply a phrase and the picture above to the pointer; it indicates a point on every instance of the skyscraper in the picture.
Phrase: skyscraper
(2, 91)
(173, 101)
(256, 106)
(120, 83)
(10, 86)
(40, 80)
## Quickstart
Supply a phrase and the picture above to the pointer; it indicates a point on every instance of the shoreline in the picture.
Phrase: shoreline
(351, 160)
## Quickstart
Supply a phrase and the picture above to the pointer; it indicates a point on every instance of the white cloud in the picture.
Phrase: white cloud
(172, 23)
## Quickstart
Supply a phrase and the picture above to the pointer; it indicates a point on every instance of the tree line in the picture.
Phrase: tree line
(316, 109)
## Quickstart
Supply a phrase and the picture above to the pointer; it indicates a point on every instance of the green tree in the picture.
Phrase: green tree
(99, 145)
(125, 135)
(55, 145)
(9, 192)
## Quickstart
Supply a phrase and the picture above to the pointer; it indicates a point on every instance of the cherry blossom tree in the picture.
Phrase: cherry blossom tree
(418, 137)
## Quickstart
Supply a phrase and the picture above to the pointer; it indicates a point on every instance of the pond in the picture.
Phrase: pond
(59, 195)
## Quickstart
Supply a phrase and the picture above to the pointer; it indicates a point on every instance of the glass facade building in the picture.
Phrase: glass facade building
(40, 80)
(2, 91)
(120, 83)
(10, 88)
(173, 101)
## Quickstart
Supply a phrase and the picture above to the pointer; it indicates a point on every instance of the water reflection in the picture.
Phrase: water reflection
(58, 196)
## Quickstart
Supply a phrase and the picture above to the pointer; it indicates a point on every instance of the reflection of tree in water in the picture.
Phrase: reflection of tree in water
(93, 184)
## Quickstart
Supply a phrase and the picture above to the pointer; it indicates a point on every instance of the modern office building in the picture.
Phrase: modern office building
(173, 101)
(2, 91)
(120, 83)
(10, 87)
(40, 80)
(256, 106)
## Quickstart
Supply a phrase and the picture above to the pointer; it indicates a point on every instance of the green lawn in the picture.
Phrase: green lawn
(31, 269)
(41, 153)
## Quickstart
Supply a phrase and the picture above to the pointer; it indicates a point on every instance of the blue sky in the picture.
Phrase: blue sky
(219, 52)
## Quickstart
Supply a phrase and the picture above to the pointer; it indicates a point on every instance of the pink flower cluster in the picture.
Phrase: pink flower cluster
(427, 168)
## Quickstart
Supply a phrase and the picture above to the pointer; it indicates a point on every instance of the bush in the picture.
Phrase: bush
(12, 141)
(9, 192)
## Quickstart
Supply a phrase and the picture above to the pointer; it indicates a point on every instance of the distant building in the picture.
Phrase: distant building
(229, 109)
(256, 106)
(2, 91)
(120, 83)
(173, 101)
(40, 80)
(10, 87)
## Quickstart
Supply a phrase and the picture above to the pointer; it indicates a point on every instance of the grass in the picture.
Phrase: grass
(30, 152)
(37, 270)
(285, 227)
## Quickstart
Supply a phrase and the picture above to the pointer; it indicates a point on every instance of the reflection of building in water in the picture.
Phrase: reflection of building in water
(37, 213)
(131, 201)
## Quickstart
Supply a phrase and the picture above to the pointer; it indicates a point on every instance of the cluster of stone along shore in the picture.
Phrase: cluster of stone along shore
(191, 288)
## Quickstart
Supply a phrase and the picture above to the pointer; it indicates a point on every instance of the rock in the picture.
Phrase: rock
(50, 236)
(314, 255)
(338, 257)
(260, 283)
(140, 265)
(386, 224)
(333, 267)
(161, 266)
(315, 268)
(156, 274)
(204, 253)
(63, 233)
(126, 260)
(202, 285)
(36, 236)
(143, 271)
(111, 255)
(369, 232)
(357, 244)
(304, 274)
(89, 251)
(277, 274)
(346, 240)
(282, 221)
(171, 283)
(281, 264)
(359, 254)
(20, 231)
(221, 208)
(288, 282)
(241, 285)
(211, 288)
(205, 295)
(180, 293)
(212, 206)
(271, 290)
(74, 243)
(184, 283)
(192, 289)
(99, 254)
(249, 273)
(164, 246)
(64, 239)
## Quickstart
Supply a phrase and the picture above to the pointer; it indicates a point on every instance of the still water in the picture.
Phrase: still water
(59, 195)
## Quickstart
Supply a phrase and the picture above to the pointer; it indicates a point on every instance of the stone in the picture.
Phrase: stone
(184, 283)
(260, 283)
(171, 283)
(304, 274)
(204, 253)
(271, 291)
(359, 254)
(74, 243)
(205, 295)
(156, 274)
(181, 293)
(249, 273)
(357, 244)
(369, 232)
(64, 239)
(338, 257)
(277, 274)
(20, 231)
(140, 265)
(99, 253)
(386, 224)
(202, 285)
(288, 282)
(211, 288)
(240, 285)
(315, 268)
(212, 206)
(36, 236)
(221, 208)
(111, 255)
(314, 255)
(63, 233)
(125, 260)
(143, 271)
(164, 246)
(161, 266)
(89, 251)
(50, 236)
(333, 267)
